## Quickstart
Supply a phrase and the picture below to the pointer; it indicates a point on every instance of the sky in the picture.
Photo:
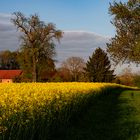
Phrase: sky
(68, 15)
(85, 23)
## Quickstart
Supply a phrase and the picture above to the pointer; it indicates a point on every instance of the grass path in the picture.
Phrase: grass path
(110, 117)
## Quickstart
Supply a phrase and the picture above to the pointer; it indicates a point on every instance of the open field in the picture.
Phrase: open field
(48, 111)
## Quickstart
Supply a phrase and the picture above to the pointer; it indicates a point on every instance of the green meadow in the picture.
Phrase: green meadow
(114, 116)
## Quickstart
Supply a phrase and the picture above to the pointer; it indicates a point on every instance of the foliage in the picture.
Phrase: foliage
(18, 79)
(37, 43)
(137, 80)
(98, 67)
(126, 77)
(125, 46)
(38, 111)
(64, 74)
(9, 60)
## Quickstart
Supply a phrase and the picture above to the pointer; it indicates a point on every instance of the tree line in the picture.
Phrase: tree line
(37, 50)
(96, 69)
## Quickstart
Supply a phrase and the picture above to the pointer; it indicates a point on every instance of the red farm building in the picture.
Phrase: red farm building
(7, 76)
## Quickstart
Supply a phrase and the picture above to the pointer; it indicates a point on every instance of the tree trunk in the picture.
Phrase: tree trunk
(34, 78)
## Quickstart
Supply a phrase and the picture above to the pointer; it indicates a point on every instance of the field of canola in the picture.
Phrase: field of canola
(37, 110)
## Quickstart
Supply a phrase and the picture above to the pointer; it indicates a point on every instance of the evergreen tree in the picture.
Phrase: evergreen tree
(98, 67)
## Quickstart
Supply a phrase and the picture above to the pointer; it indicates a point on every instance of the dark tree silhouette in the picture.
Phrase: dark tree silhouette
(98, 67)
(9, 60)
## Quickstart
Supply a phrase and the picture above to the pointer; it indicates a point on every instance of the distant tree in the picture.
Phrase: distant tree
(37, 42)
(9, 60)
(98, 67)
(64, 74)
(126, 77)
(137, 80)
(75, 66)
(125, 46)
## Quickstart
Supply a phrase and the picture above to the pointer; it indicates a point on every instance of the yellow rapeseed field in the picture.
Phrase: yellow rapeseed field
(30, 109)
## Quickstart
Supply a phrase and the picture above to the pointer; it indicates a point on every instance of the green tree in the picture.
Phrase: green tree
(125, 46)
(137, 80)
(37, 42)
(8, 60)
(98, 67)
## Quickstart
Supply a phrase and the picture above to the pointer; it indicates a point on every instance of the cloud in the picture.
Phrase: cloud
(74, 43)
(5, 18)
(8, 33)
(79, 43)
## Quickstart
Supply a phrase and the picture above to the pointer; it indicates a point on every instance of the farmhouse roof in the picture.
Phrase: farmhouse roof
(9, 74)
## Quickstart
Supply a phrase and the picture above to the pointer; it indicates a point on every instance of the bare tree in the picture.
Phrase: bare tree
(75, 65)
